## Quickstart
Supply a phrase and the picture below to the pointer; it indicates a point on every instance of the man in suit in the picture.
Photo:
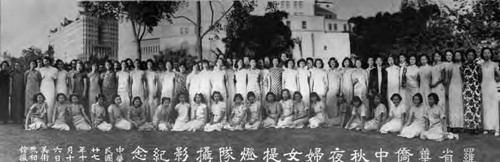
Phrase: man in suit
(378, 81)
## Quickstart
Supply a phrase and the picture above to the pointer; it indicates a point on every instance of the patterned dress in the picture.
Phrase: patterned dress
(33, 79)
(253, 80)
(471, 74)
(275, 76)
(94, 88)
(180, 84)
(109, 85)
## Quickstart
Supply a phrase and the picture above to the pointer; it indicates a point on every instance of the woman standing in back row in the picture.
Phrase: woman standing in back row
(490, 76)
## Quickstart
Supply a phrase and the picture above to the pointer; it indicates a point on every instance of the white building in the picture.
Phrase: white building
(315, 24)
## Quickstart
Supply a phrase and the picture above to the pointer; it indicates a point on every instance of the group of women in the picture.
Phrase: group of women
(429, 98)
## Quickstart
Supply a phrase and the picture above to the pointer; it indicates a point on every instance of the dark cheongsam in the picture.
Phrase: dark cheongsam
(17, 101)
(471, 73)
(33, 79)
(4, 95)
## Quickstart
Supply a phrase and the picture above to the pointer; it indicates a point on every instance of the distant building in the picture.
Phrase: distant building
(85, 37)
(313, 23)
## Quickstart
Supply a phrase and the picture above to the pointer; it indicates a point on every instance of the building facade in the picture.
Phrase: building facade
(84, 38)
(313, 23)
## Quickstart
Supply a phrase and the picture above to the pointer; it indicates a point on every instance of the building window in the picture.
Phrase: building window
(304, 24)
(295, 5)
(287, 4)
(325, 48)
(186, 30)
(288, 23)
(301, 4)
(330, 27)
(327, 6)
(345, 27)
(282, 4)
(335, 27)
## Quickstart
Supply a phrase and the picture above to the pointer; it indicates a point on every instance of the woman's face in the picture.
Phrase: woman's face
(284, 57)
(39, 63)
(253, 64)
(358, 63)
(166, 102)
(297, 97)
(197, 99)
(61, 98)
(40, 98)
(217, 97)
(116, 65)
(416, 100)
(251, 98)
(390, 61)
(79, 67)
(314, 99)
(32, 65)
(396, 100)
(46, 62)
(487, 54)
(431, 100)
(94, 67)
(290, 64)
(379, 61)
(150, 65)
(275, 62)
(182, 98)
(168, 65)
(60, 65)
(240, 64)
(137, 103)
(318, 64)
(285, 94)
(270, 98)
(109, 66)
(310, 63)
(74, 99)
(347, 63)
(332, 64)
(182, 69)
(449, 56)
(204, 65)
(118, 100)
(471, 56)
(137, 64)
(302, 64)
(402, 58)
(124, 65)
(267, 61)
(219, 63)
(246, 60)
(100, 101)
(413, 60)
(376, 100)
(357, 103)
(370, 61)
(423, 60)
(437, 57)
(458, 56)
(238, 100)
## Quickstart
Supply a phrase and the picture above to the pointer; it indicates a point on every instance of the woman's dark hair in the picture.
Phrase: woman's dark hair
(4, 62)
(314, 94)
(279, 61)
(393, 58)
(35, 97)
(471, 51)
(270, 94)
(114, 98)
(135, 99)
(165, 99)
(202, 98)
(356, 99)
(420, 58)
(288, 61)
(419, 96)
(238, 96)
(99, 96)
(59, 95)
(220, 96)
(396, 95)
(297, 93)
(434, 54)
(319, 60)
(446, 51)
(250, 94)
(409, 58)
(435, 96)
(301, 60)
(335, 61)
(348, 60)
(462, 55)
(287, 91)
(309, 59)
(484, 49)
(153, 67)
(237, 62)
(47, 58)
(71, 97)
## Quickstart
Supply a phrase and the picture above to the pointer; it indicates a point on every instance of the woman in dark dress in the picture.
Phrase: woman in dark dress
(471, 76)
(109, 82)
(32, 81)
(4, 92)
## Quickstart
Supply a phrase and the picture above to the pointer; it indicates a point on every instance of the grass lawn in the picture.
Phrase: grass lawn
(12, 137)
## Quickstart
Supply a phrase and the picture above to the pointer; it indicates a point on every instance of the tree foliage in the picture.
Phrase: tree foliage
(30, 54)
(256, 36)
(143, 15)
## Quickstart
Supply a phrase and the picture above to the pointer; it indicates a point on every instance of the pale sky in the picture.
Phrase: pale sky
(27, 22)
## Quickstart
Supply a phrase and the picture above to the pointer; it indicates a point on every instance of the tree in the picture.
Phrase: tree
(143, 15)
(214, 25)
(257, 36)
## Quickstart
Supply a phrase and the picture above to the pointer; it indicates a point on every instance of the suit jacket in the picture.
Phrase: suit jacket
(373, 87)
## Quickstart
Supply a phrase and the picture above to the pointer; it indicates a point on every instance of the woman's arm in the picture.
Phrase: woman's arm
(111, 115)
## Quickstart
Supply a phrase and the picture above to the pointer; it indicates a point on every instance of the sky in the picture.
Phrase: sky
(27, 22)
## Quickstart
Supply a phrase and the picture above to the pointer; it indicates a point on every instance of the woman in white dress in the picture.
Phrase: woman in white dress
(161, 119)
(254, 111)
(182, 109)
(152, 86)
(303, 80)
(217, 113)
(319, 80)
(403, 65)
(138, 81)
(360, 82)
(490, 73)
(437, 78)
(318, 109)
(412, 83)
(205, 85)
(416, 121)
(62, 80)
(396, 118)
(198, 114)
(193, 82)
(47, 87)
(393, 82)
(347, 87)
(289, 77)
(334, 80)
(358, 115)
(380, 115)
(424, 73)
(118, 114)
(167, 81)
(123, 77)
(240, 77)
(218, 79)
(253, 80)
(436, 118)
(455, 106)
(285, 119)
